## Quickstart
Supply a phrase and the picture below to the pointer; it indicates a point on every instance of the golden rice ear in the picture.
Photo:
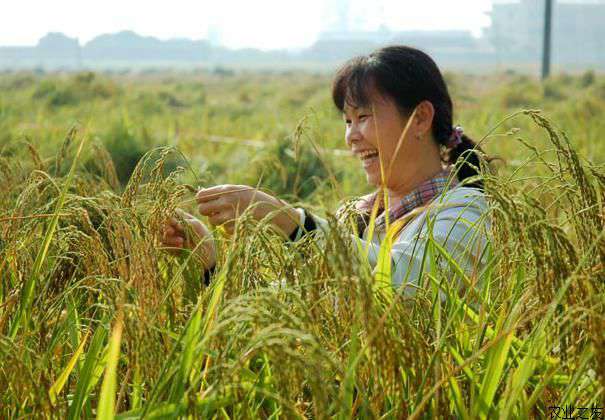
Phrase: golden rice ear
(350, 215)
(190, 188)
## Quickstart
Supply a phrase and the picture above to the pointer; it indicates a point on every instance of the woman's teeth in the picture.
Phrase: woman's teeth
(368, 154)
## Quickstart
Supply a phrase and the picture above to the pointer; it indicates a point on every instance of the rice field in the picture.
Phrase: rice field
(97, 320)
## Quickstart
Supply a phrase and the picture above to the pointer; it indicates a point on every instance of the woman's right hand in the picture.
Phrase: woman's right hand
(175, 237)
(222, 204)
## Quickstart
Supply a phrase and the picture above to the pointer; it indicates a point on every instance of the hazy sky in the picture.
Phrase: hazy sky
(263, 24)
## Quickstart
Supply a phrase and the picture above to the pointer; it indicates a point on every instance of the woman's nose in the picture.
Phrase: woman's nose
(352, 134)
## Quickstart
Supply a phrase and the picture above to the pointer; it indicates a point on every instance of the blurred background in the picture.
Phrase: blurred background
(470, 35)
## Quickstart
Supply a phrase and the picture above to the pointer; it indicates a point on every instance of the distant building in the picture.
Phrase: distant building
(437, 41)
(578, 30)
(448, 45)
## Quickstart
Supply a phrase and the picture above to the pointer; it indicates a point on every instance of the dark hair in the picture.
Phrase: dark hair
(409, 76)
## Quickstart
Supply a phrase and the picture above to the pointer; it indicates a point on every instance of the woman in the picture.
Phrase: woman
(398, 121)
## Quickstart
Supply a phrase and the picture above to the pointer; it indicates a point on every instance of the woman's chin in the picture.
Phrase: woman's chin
(373, 173)
(373, 178)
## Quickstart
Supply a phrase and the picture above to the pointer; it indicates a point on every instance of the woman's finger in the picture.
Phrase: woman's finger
(212, 193)
(209, 194)
(215, 206)
(220, 218)
(174, 241)
(175, 225)
(168, 231)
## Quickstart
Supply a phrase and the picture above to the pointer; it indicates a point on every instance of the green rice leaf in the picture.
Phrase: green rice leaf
(106, 407)
(57, 386)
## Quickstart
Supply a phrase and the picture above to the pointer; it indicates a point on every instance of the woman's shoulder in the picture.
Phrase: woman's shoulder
(459, 210)
(459, 203)
(461, 196)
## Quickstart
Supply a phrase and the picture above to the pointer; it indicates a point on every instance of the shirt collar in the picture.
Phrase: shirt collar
(421, 195)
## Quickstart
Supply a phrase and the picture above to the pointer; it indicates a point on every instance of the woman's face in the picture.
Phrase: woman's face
(373, 132)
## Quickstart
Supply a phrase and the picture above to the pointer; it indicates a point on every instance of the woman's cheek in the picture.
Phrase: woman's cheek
(374, 132)
(348, 140)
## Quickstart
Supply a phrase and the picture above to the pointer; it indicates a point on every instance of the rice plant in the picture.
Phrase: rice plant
(97, 320)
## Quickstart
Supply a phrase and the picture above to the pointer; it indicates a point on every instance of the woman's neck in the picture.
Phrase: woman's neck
(398, 191)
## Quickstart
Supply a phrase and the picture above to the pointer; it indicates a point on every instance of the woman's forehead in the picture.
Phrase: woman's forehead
(348, 107)
(371, 99)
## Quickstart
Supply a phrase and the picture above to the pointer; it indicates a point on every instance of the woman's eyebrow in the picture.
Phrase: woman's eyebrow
(352, 109)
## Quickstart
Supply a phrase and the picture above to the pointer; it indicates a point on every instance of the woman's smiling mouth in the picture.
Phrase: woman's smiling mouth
(367, 154)
(368, 157)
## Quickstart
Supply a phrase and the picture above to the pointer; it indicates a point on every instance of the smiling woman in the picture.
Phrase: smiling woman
(398, 121)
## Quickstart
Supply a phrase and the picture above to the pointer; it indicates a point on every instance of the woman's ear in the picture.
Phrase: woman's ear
(424, 118)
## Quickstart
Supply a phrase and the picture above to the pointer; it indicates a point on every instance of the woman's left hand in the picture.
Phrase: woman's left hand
(174, 237)
(223, 204)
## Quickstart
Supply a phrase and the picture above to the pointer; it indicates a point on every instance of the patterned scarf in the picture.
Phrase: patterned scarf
(420, 196)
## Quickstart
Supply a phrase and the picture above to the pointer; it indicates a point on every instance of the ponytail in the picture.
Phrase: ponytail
(468, 158)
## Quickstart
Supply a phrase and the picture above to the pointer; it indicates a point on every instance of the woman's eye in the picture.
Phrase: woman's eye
(347, 122)
(363, 117)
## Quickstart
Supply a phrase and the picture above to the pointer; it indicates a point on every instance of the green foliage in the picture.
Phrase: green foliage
(83, 87)
(125, 148)
(587, 79)
(553, 91)
(289, 170)
(521, 94)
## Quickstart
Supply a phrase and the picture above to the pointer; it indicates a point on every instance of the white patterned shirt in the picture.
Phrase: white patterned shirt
(460, 226)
